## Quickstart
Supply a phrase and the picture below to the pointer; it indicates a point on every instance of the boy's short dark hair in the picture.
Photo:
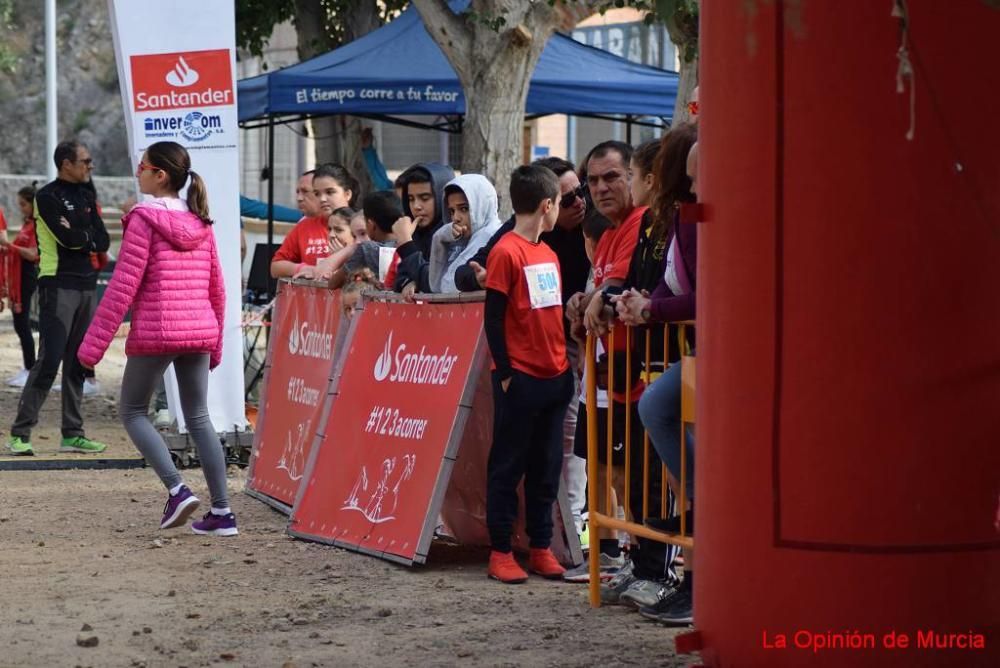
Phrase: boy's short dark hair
(383, 208)
(530, 185)
(594, 225)
(558, 165)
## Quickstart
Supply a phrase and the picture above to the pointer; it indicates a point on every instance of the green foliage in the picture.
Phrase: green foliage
(8, 61)
(82, 120)
(255, 19)
(492, 21)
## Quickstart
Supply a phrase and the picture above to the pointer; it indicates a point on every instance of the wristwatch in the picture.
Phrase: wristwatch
(645, 314)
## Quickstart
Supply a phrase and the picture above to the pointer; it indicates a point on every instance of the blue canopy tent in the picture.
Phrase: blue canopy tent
(399, 69)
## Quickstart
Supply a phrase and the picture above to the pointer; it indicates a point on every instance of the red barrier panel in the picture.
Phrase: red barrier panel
(849, 335)
(300, 361)
(377, 473)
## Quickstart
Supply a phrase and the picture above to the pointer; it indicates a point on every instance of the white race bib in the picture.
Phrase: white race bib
(543, 285)
(385, 254)
(670, 272)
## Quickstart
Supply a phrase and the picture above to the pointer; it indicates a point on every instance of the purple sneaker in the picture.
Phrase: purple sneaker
(216, 525)
(179, 508)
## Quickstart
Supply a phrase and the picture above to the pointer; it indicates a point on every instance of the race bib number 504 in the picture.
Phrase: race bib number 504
(543, 285)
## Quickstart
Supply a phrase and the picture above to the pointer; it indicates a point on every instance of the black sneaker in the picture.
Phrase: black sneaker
(676, 610)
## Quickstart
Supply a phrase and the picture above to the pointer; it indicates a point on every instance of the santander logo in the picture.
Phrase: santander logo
(182, 75)
(417, 368)
(383, 365)
(182, 80)
(293, 337)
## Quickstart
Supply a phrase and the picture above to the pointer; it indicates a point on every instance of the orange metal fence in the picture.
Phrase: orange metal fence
(604, 517)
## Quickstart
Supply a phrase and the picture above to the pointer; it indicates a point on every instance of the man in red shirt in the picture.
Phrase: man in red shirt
(607, 171)
(532, 381)
(607, 176)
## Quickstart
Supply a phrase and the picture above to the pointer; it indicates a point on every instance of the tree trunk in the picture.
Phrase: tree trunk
(686, 85)
(683, 29)
(494, 64)
(492, 133)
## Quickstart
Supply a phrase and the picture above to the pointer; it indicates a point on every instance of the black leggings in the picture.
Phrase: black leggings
(22, 320)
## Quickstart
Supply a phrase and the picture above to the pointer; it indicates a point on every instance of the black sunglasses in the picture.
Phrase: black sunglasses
(86, 161)
(569, 199)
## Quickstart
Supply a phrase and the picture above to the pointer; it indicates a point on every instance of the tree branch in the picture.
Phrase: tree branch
(574, 11)
(450, 32)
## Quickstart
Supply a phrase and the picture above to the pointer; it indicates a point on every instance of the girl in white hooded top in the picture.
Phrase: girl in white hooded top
(471, 203)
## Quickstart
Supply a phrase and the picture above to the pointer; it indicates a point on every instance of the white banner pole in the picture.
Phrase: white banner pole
(176, 66)
(51, 85)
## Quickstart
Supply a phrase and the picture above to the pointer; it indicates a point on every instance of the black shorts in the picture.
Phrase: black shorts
(618, 428)
(618, 455)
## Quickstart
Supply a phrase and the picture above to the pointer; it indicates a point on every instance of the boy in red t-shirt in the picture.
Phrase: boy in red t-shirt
(532, 381)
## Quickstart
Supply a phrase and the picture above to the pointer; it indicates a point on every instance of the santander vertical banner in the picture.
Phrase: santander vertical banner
(176, 65)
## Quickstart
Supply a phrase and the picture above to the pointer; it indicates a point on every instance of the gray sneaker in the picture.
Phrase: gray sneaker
(611, 591)
(609, 567)
(646, 593)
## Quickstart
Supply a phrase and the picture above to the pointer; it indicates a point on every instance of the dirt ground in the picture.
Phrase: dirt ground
(80, 549)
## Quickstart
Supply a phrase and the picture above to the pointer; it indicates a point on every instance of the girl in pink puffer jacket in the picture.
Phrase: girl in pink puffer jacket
(168, 273)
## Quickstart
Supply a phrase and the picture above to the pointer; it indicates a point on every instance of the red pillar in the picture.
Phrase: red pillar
(849, 333)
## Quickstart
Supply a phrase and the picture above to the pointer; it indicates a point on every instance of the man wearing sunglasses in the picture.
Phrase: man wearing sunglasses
(69, 229)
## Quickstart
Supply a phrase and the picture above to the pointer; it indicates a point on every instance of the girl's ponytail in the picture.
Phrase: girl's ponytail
(197, 197)
(173, 159)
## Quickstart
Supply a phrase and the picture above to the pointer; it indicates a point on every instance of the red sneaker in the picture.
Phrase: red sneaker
(503, 567)
(544, 563)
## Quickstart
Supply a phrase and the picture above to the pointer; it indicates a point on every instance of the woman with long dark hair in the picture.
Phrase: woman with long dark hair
(168, 273)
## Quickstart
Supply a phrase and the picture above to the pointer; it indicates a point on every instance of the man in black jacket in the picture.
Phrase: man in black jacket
(69, 229)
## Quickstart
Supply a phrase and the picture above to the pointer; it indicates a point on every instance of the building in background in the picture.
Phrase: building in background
(623, 33)
(293, 149)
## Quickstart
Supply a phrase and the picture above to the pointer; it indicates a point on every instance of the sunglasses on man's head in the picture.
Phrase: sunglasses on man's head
(569, 199)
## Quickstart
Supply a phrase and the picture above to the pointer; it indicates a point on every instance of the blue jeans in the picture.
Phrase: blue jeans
(660, 412)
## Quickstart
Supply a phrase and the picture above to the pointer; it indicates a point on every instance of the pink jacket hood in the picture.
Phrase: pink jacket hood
(183, 229)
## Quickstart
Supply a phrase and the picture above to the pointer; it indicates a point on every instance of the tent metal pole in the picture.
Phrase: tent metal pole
(270, 188)
(443, 147)
(270, 212)
(628, 130)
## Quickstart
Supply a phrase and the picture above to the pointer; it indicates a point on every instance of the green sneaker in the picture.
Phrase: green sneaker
(19, 446)
(81, 444)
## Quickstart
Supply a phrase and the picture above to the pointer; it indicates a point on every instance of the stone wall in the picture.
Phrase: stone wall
(90, 105)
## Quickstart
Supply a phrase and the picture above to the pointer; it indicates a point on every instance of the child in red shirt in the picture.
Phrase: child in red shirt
(21, 257)
(532, 381)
